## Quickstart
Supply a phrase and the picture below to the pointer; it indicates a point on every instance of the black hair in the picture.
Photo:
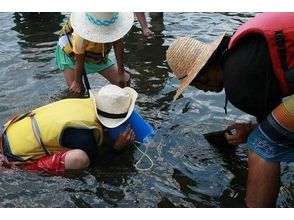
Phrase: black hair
(217, 56)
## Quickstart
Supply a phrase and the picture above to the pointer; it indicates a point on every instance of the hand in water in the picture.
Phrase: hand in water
(123, 80)
(240, 133)
(77, 88)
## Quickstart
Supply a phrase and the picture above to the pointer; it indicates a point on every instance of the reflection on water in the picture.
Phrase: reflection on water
(187, 172)
(32, 29)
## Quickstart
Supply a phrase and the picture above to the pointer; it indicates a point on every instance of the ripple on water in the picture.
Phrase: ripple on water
(187, 172)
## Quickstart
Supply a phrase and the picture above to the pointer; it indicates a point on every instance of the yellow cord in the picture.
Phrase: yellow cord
(139, 161)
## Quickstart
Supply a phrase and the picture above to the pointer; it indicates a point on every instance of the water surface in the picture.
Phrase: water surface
(187, 172)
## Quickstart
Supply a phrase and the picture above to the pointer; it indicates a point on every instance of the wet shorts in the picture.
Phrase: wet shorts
(273, 139)
(63, 61)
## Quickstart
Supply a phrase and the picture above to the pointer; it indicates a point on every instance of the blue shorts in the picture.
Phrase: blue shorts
(273, 139)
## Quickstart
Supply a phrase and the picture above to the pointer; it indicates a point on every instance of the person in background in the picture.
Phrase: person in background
(65, 135)
(256, 68)
(143, 23)
(84, 45)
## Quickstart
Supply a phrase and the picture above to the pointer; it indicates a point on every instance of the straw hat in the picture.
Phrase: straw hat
(114, 105)
(186, 57)
(102, 27)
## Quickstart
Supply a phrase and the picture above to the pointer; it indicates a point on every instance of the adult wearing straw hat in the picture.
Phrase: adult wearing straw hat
(67, 134)
(84, 45)
(256, 68)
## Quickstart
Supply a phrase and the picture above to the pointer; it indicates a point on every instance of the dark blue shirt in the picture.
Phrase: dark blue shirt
(84, 139)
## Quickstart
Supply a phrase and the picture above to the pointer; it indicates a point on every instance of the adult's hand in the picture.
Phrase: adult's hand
(242, 131)
(125, 138)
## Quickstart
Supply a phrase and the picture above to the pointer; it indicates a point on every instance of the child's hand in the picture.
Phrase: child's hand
(125, 138)
(77, 88)
(123, 79)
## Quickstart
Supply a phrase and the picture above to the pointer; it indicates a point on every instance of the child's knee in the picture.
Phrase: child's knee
(76, 159)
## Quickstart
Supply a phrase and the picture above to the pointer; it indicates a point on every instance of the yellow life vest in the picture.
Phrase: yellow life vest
(94, 52)
(45, 126)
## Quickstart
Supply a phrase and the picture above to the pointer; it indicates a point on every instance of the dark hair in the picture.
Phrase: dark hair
(217, 57)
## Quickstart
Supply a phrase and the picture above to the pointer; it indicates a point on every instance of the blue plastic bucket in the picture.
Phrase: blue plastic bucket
(142, 129)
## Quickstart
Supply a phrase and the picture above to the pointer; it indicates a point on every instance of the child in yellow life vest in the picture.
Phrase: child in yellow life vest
(64, 135)
(85, 42)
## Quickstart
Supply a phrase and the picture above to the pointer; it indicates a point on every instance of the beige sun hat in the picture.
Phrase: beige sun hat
(102, 27)
(114, 105)
(187, 56)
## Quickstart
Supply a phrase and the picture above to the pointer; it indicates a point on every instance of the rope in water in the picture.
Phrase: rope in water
(144, 154)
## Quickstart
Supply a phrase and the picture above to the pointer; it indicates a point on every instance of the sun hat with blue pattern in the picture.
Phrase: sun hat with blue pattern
(102, 27)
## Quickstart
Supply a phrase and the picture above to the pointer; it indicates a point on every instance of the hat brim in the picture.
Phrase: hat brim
(102, 34)
(207, 53)
(112, 123)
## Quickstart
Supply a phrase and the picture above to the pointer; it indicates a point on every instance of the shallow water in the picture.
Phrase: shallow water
(187, 172)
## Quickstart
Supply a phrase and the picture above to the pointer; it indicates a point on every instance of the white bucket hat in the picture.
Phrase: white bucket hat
(102, 27)
(114, 105)
(187, 56)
